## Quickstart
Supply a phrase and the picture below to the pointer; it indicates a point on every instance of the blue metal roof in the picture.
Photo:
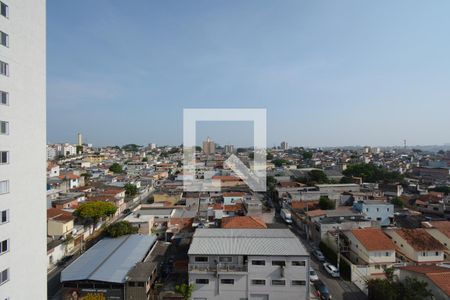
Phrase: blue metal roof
(110, 259)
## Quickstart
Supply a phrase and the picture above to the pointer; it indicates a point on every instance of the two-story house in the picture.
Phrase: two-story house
(234, 264)
(371, 247)
(380, 211)
(416, 246)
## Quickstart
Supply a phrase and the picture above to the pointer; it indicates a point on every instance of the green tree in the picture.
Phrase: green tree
(413, 289)
(269, 156)
(307, 155)
(145, 159)
(198, 149)
(79, 149)
(279, 162)
(372, 173)
(397, 202)
(442, 189)
(95, 210)
(116, 168)
(380, 289)
(130, 189)
(185, 290)
(326, 204)
(120, 228)
(318, 177)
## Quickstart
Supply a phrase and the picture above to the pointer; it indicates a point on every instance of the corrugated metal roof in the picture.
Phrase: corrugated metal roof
(270, 242)
(110, 259)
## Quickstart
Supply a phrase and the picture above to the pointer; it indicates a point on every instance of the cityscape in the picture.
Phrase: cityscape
(171, 150)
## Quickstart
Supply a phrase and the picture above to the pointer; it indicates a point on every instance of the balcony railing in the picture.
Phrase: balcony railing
(220, 268)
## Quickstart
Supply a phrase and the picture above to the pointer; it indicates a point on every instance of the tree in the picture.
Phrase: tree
(86, 176)
(397, 202)
(120, 228)
(269, 156)
(442, 189)
(413, 289)
(307, 155)
(95, 210)
(372, 173)
(380, 289)
(318, 177)
(198, 149)
(130, 189)
(185, 290)
(279, 162)
(145, 159)
(116, 168)
(79, 149)
(326, 204)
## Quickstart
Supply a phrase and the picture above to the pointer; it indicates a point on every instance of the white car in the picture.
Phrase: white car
(313, 275)
(331, 270)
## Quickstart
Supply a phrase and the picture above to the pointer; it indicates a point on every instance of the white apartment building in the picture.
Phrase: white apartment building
(253, 264)
(23, 255)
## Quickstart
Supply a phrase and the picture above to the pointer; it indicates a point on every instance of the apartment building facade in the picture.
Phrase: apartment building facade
(254, 264)
(22, 149)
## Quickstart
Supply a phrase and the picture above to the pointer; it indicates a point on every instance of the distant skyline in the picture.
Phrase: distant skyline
(329, 73)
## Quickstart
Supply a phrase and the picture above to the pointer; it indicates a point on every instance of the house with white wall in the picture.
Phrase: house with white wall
(249, 264)
(416, 246)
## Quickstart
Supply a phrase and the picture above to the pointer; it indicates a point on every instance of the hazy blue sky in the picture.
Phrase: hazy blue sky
(328, 72)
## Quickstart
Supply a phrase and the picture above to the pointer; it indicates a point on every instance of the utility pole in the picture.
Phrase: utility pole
(338, 249)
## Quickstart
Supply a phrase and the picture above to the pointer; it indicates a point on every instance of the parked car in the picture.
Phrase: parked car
(319, 255)
(322, 291)
(331, 270)
(313, 275)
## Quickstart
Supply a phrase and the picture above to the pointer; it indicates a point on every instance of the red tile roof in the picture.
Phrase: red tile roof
(312, 205)
(373, 239)
(438, 275)
(59, 215)
(316, 213)
(442, 226)
(236, 207)
(420, 239)
(246, 222)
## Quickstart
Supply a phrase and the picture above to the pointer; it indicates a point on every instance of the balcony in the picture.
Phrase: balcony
(219, 268)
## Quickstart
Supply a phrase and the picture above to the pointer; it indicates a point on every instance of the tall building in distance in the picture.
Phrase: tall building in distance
(209, 147)
(79, 139)
(23, 230)
(284, 146)
(229, 149)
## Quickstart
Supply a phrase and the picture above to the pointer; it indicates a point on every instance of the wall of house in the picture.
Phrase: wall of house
(57, 228)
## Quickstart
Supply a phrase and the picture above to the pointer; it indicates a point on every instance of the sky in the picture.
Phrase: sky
(329, 73)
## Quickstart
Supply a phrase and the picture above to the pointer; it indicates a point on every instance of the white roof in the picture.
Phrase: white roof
(109, 260)
(264, 242)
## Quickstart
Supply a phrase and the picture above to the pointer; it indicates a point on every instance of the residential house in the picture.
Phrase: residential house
(380, 211)
(248, 264)
(436, 277)
(416, 246)
(59, 223)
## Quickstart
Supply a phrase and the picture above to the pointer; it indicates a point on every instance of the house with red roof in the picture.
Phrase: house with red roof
(243, 222)
(437, 278)
(416, 246)
(371, 247)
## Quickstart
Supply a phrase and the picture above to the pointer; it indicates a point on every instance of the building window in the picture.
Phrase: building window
(424, 254)
(4, 127)
(225, 259)
(227, 281)
(4, 98)
(4, 186)
(258, 282)
(4, 157)
(437, 253)
(299, 263)
(258, 262)
(201, 259)
(202, 281)
(280, 263)
(4, 10)
(4, 68)
(4, 276)
(4, 216)
(278, 282)
(298, 282)
(4, 246)
(4, 39)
